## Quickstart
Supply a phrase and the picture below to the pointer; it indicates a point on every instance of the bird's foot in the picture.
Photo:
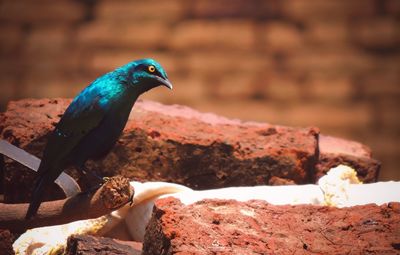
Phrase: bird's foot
(131, 200)
(106, 179)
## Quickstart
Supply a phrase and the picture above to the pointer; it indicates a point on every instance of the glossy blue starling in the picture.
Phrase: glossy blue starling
(93, 122)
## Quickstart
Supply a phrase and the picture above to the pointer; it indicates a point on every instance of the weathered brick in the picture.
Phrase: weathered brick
(178, 144)
(312, 10)
(279, 36)
(220, 63)
(387, 119)
(48, 39)
(336, 119)
(6, 69)
(55, 64)
(384, 145)
(207, 151)
(380, 85)
(282, 89)
(392, 7)
(8, 88)
(335, 151)
(11, 38)
(233, 86)
(327, 88)
(36, 87)
(330, 61)
(376, 33)
(143, 35)
(330, 117)
(221, 9)
(102, 61)
(42, 11)
(133, 11)
(228, 34)
(327, 34)
(221, 226)
(181, 94)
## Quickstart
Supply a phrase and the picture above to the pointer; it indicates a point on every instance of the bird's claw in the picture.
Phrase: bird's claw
(131, 200)
(106, 179)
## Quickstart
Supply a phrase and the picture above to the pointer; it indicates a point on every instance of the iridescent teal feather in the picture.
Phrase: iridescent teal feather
(94, 120)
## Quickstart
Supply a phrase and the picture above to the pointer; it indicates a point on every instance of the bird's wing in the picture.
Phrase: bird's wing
(79, 119)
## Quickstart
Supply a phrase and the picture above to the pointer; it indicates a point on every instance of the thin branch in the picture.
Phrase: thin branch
(113, 194)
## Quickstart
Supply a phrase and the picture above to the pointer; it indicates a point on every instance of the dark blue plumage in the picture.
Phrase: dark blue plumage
(94, 120)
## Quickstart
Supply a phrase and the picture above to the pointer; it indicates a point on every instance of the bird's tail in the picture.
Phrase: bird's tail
(37, 196)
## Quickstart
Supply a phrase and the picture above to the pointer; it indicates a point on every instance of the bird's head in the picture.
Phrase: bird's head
(147, 74)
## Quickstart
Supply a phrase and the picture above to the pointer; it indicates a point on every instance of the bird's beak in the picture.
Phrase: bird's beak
(165, 82)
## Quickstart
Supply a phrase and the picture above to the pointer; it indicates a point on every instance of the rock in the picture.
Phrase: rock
(180, 145)
(87, 244)
(26, 124)
(256, 227)
(6, 241)
(335, 151)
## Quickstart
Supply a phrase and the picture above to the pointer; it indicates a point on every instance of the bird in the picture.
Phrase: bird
(93, 122)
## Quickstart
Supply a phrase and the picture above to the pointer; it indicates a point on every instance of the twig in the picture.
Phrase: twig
(113, 194)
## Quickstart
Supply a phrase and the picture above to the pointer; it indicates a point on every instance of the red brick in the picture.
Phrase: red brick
(338, 116)
(52, 86)
(182, 94)
(282, 89)
(327, 117)
(141, 34)
(335, 151)
(386, 150)
(228, 34)
(327, 34)
(48, 39)
(42, 11)
(313, 10)
(176, 144)
(331, 118)
(376, 33)
(330, 61)
(392, 7)
(52, 63)
(10, 38)
(219, 63)
(103, 61)
(330, 88)
(278, 36)
(235, 86)
(180, 145)
(220, 9)
(388, 116)
(133, 11)
(256, 227)
(380, 84)
(8, 89)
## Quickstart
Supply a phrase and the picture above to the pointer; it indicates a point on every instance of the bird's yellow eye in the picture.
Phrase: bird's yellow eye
(151, 69)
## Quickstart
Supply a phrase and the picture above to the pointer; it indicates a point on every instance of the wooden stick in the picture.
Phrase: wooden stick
(113, 194)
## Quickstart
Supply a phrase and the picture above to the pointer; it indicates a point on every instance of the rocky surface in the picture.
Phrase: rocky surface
(255, 227)
(334, 151)
(178, 144)
(87, 245)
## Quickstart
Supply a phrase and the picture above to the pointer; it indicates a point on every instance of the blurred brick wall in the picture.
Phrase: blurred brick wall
(331, 64)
